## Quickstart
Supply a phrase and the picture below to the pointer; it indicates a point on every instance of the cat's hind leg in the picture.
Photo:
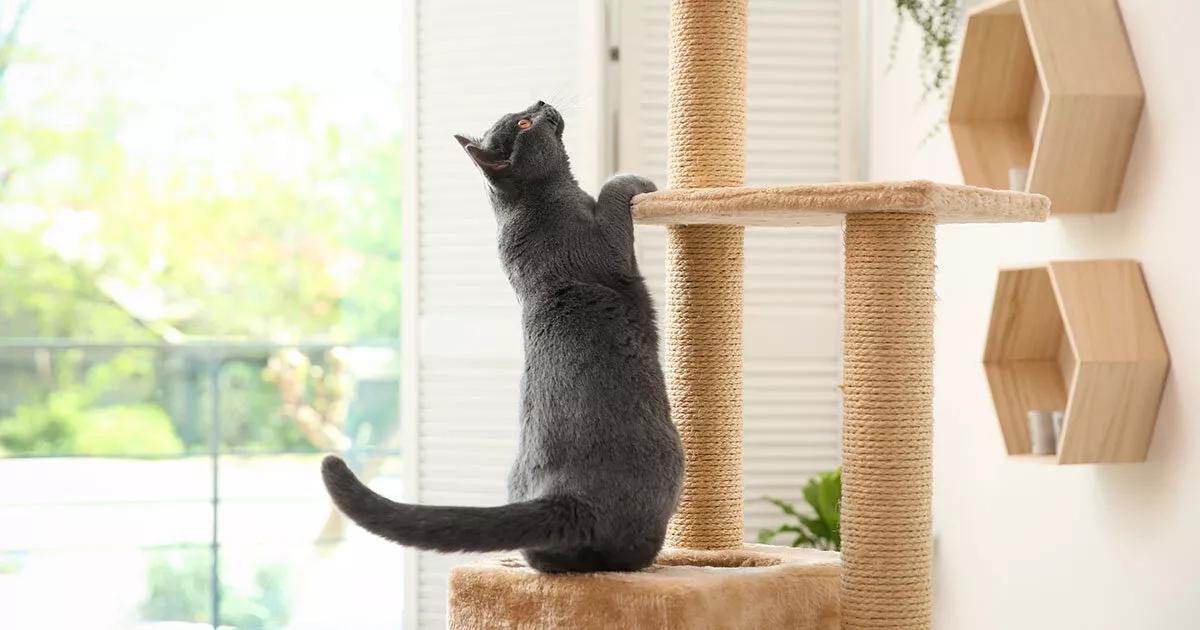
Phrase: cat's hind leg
(586, 559)
(576, 560)
(629, 558)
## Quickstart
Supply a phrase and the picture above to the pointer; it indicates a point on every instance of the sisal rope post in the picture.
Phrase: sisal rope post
(887, 440)
(707, 134)
(888, 392)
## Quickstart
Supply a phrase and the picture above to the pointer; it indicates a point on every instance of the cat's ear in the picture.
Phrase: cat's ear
(485, 159)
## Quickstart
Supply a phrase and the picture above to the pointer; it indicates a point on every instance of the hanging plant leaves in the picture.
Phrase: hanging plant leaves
(938, 21)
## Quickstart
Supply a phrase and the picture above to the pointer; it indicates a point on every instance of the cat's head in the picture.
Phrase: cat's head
(523, 146)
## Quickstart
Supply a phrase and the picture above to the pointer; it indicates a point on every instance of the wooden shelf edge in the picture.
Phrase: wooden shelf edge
(1030, 458)
(1053, 460)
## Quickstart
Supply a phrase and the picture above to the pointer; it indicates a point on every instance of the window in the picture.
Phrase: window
(199, 255)
(200, 264)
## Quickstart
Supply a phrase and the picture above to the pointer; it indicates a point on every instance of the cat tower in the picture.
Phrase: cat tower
(707, 577)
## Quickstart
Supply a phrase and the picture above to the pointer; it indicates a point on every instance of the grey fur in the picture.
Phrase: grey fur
(599, 464)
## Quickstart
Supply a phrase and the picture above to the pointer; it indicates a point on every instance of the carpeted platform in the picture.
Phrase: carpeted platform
(758, 586)
(827, 204)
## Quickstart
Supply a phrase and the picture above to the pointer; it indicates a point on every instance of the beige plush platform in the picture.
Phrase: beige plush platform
(759, 586)
(826, 204)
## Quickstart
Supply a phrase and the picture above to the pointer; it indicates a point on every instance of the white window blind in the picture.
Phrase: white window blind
(470, 62)
(799, 129)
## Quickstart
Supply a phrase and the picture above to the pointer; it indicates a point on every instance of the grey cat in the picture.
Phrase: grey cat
(599, 465)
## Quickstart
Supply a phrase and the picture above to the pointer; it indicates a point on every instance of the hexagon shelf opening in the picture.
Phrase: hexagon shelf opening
(1051, 87)
(1081, 337)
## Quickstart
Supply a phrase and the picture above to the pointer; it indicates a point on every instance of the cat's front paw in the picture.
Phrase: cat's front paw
(642, 185)
(631, 184)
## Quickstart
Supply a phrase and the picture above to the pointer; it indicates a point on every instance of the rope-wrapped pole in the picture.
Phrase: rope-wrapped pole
(707, 133)
(887, 441)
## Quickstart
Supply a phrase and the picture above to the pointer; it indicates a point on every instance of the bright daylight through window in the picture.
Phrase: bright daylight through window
(199, 256)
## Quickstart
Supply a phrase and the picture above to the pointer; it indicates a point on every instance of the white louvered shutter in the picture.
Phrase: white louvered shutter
(473, 61)
(798, 131)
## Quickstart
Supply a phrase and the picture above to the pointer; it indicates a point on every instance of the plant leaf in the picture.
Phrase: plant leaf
(817, 526)
(822, 529)
(787, 508)
(832, 497)
(829, 495)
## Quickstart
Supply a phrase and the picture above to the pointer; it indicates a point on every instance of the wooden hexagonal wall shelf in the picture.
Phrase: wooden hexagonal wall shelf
(1081, 337)
(1047, 100)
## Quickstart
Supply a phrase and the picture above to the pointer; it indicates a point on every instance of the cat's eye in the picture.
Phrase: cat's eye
(524, 123)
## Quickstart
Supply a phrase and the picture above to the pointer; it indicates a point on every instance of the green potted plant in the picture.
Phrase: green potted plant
(822, 528)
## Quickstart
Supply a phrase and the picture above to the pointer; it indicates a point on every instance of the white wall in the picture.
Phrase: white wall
(1031, 546)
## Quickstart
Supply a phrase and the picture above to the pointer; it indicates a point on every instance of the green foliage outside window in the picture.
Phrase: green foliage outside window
(178, 584)
(279, 222)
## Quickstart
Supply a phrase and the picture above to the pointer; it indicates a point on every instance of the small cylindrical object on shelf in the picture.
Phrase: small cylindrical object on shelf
(1017, 177)
(1058, 417)
(1041, 432)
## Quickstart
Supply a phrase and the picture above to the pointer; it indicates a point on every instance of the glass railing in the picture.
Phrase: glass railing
(154, 485)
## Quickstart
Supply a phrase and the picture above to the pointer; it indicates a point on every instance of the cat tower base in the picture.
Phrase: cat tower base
(757, 586)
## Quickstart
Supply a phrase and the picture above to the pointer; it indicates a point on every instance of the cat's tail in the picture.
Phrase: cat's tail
(546, 522)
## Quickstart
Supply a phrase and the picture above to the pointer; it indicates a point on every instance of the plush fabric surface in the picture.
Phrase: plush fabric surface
(824, 204)
(758, 586)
